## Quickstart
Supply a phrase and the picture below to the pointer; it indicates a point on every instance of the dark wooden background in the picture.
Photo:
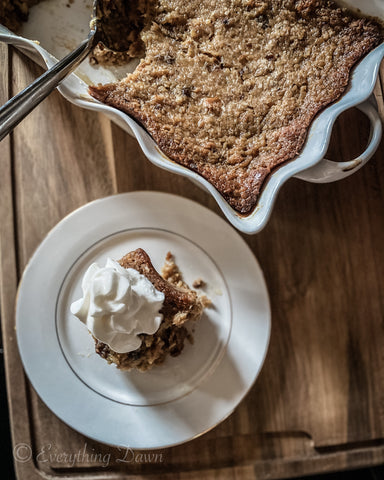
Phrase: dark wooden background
(318, 405)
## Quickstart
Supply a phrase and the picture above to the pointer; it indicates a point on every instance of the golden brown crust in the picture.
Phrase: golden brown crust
(230, 92)
(176, 299)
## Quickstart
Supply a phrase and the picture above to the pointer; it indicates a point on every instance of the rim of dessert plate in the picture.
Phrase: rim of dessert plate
(22, 337)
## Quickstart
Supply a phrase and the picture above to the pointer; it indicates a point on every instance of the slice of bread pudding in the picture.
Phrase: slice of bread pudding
(181, 308)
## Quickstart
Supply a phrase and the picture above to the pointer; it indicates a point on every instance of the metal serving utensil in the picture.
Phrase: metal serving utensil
(18, 107)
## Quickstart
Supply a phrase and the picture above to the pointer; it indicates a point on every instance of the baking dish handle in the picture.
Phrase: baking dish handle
(327, 171)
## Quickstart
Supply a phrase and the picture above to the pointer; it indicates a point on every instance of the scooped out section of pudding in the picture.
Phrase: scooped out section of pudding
(120, 27)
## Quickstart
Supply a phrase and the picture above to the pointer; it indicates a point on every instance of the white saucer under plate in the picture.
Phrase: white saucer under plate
(187, 395)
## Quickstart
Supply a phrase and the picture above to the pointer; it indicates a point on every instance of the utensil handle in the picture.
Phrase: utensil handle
(327, 171)
(24, 102)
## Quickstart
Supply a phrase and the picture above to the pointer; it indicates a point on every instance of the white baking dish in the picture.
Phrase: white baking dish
(58, 29)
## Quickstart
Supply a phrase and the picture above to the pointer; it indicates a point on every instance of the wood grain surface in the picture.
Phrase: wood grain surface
(318, 404)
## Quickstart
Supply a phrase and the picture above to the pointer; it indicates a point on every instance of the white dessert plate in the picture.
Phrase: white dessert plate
(187, 395)
(57, 30)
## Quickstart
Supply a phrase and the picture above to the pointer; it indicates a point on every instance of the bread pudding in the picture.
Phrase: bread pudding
(136, 316)
(229, 89)
(226, 88)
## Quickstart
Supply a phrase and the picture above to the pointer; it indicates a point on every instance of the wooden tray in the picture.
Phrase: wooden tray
(318, 404)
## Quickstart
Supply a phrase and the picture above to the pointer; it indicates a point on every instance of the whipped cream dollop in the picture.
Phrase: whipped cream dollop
(117, 305)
